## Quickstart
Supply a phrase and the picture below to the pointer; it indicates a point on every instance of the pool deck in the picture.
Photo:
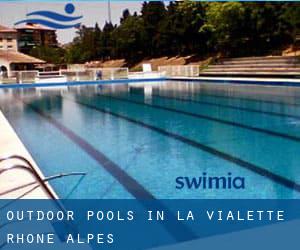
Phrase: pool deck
(295, 82)
(267, 81)
(12, 145)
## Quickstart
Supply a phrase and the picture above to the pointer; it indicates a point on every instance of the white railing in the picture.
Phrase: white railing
(143, 75)
(180, 70)
(23, 76)
(92, 74)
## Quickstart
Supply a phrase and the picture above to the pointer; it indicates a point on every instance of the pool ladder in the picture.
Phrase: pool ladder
(27, 166)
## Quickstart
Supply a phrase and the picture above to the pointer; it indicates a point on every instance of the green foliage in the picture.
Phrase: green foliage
(291, 14)
(189, 27)
(49, 54)
(130, 38)
(224, 23)
(180, 29)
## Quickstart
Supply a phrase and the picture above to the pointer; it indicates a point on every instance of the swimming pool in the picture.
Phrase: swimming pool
(134, 140)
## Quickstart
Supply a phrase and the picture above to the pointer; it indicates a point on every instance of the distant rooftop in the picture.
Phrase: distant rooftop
(33, 26)
(6, 29)
(17, 57)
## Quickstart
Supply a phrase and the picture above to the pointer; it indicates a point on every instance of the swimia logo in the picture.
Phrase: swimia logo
(54, 20)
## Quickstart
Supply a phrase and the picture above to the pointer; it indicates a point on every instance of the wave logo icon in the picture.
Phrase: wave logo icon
(54, 20)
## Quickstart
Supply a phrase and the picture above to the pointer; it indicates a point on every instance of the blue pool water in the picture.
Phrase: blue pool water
(134, 140)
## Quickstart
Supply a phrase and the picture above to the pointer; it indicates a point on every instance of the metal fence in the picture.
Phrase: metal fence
(180, 70)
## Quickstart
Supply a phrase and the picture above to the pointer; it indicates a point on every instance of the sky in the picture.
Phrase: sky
(92, 12)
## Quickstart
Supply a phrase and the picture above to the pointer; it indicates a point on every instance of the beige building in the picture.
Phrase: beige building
(34, 35)
(8, 39)
(10, 58)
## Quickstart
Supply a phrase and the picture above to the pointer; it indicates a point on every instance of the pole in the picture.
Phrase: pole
(109, 11)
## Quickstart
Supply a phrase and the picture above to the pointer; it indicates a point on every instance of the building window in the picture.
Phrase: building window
(9, 39)
(9, 46)
(1, 39)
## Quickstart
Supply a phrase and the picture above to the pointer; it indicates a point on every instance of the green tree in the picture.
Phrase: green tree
(291, 15)
(152, 14)
(189, 27)
(130, 38)
(267, 30)
(184, 21)
(125, 15)
(224, 24)
(49, 54)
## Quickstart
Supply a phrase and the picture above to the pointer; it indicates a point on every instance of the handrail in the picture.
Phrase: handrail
(19, 157)
(14, 167)
(41, 182)
(47, 179)
(31, 169)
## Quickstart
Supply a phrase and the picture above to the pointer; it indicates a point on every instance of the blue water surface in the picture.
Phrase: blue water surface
(134, 140)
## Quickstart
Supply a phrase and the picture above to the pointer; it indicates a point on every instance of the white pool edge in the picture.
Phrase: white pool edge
(240, 79)
(11, 144)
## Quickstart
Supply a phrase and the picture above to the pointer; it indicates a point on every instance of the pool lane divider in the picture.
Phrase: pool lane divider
(130, 184)
(227, 157)
(254, 100)
(205, 117)
(272, 113)
(179, 231)
(242, 98)
(234, 81)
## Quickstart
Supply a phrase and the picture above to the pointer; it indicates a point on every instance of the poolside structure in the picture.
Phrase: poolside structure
(14, 60)
(267, 66)
(10, 58)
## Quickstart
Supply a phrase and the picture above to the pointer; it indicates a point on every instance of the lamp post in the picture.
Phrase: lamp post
(109, 11)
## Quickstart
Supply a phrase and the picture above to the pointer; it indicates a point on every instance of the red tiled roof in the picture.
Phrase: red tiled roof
(17, 57)
(33, 26)
(6, 29)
